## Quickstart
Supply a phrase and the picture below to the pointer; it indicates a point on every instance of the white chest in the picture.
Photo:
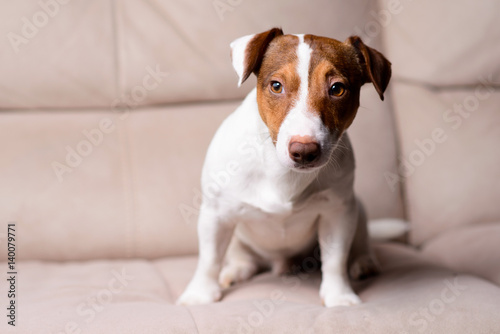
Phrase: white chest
(283, 234)
(281, 228)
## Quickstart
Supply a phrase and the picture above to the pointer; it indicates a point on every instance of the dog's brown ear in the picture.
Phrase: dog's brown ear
(377, 68)
(247, 52)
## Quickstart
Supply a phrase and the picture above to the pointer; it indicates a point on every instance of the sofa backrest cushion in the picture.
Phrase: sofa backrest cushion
(446, 79)
(109, 54)
(133, 191)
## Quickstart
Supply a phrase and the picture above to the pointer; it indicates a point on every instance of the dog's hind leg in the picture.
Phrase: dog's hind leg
(240, 265)
(362, 262)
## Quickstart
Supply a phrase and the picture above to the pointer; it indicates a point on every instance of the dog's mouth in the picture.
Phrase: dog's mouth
(305, 168)
(310, 164)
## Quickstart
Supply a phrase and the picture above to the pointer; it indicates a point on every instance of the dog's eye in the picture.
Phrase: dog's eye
(276, 87)
(337, 89)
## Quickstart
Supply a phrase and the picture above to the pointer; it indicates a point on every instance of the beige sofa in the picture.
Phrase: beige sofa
(108, 108)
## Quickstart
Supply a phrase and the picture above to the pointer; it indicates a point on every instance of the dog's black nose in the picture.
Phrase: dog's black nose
(303, 150)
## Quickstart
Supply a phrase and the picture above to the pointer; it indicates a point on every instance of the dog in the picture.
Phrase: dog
(295, 189)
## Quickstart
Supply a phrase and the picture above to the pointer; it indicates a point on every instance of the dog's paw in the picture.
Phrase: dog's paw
(236, 272)
(344, 299)
(198, 293)
(363, 267)
(337, 293)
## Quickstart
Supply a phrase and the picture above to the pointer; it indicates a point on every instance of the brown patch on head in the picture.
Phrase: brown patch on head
(333, 62)
(279, 64)
(350, 64)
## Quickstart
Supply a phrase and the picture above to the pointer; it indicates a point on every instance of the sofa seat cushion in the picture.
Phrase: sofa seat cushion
(137, 296)
(470, 249)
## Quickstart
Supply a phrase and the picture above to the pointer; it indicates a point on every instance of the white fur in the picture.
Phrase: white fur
(238, 48)
(387, 229)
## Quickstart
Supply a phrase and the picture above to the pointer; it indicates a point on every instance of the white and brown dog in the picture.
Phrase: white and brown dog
(295, 190)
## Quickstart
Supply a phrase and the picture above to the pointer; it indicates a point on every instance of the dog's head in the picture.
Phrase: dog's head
(308, 89)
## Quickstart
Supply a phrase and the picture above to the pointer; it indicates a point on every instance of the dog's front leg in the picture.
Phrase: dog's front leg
(214, 236)
(336, 232)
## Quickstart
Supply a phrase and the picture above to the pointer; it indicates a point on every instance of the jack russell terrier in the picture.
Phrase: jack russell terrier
(297, 190)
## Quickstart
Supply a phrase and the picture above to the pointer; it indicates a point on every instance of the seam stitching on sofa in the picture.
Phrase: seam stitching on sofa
(442, 87)
(168, 19)
(128, 183)
(193, 318)
(116, 48)
(126, 161)
(121, 134)
(166, 283)
(397, 134)
(475, 224)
